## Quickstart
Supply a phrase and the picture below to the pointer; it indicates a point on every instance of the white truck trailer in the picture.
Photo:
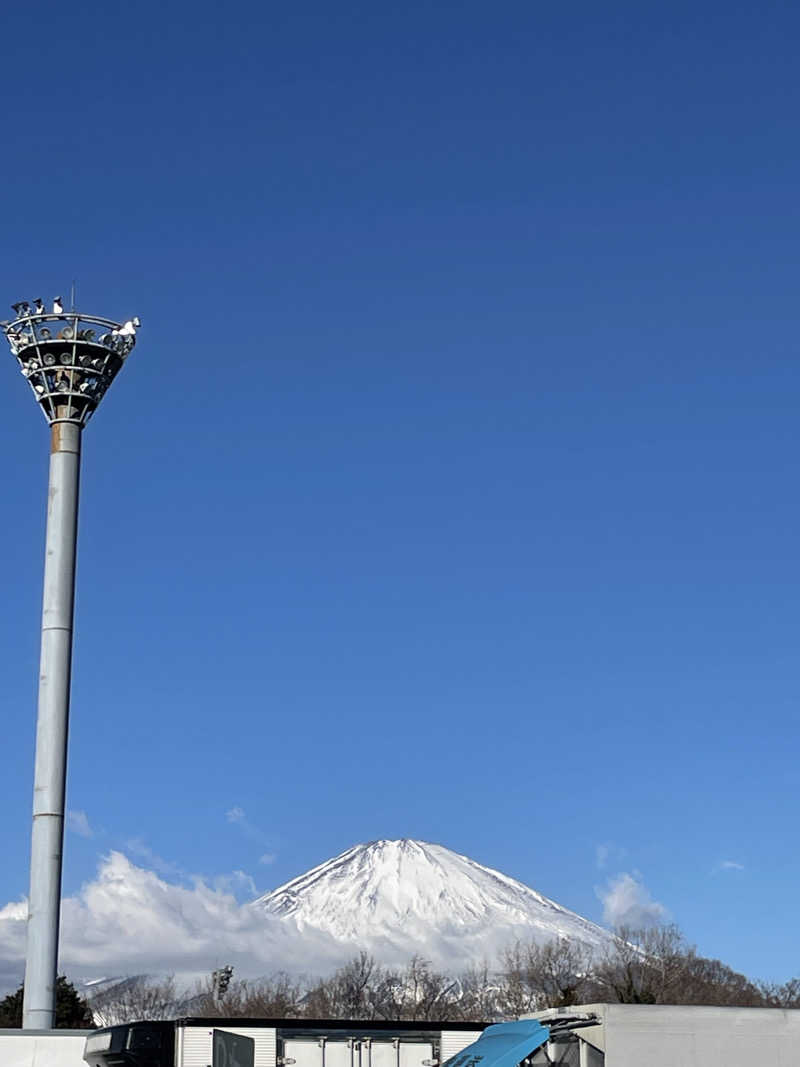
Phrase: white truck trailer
(660, 1035)
(210, 1042)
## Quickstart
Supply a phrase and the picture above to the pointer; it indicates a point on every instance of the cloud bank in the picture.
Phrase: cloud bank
(130, 920)
(157, 919)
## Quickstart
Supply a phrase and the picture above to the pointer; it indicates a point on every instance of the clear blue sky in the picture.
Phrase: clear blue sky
(451, 489)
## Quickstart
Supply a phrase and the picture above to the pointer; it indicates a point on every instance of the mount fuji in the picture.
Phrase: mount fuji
(395, 899)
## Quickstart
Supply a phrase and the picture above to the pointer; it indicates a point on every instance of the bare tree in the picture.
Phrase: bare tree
(640, 966)
(518, 995)
(278, 997)
(418, 992)
(785, 995)
(549, 975)
(480, 999)
(350, 993)
(319, 1001)
(656, 966)
(355, 987)
(131, 999)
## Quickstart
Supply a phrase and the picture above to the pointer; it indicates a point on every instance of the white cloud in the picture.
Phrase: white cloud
(16, 911)
(730, 865)
(267, 858)
(601, 856)
(78, 823)
(627, 902)
(236, 814)
(130, 920)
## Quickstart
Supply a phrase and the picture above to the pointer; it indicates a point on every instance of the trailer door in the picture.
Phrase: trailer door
(343, 1051)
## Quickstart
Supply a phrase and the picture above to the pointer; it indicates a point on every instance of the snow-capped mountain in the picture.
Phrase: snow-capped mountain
(397, 898)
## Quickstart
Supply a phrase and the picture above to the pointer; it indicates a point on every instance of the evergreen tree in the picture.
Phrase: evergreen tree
(72, 1010)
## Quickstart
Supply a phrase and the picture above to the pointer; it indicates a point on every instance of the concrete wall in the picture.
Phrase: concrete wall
(63, 1048)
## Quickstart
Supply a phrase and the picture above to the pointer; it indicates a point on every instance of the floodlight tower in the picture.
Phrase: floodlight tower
(70, 360)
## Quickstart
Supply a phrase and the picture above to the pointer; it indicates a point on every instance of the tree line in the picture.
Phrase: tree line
(637, 966)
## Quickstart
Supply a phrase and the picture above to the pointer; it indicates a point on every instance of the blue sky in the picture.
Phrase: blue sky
(450, 490)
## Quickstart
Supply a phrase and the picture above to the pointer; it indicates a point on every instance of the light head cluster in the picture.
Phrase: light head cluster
(69, 359)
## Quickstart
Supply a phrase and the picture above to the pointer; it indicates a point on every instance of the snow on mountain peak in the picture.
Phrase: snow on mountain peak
(397, 898)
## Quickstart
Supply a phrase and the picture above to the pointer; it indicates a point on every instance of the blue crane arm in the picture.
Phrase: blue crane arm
(502, 1045)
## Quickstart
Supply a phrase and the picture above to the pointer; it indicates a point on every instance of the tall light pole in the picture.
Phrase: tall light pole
(69, 360)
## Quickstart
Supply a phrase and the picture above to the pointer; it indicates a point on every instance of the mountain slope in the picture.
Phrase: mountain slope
(396, 898)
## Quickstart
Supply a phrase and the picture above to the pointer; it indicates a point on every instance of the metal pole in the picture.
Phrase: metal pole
(47, 838)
